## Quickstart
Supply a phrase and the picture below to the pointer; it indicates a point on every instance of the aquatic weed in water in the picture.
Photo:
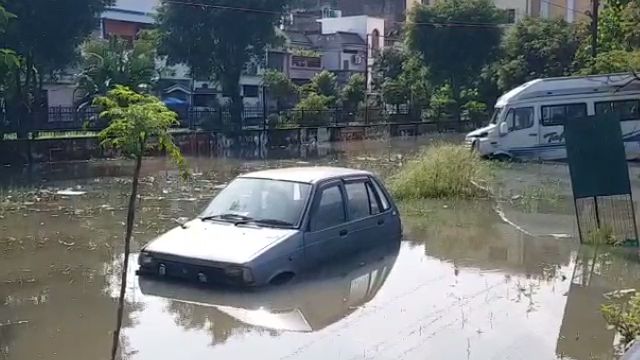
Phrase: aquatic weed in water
(442, 171)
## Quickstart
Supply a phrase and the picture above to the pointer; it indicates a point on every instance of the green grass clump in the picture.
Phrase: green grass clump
(442, 171)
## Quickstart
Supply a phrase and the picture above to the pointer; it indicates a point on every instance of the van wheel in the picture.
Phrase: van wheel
(282, 278)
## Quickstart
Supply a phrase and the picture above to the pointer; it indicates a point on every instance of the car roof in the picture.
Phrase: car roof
(310, 174)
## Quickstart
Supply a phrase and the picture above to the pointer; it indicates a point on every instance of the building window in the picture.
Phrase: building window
(250, 91)
(306, 62)
(511, 16)
(375, 41)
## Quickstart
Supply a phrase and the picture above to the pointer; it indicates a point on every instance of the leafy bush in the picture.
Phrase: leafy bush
(312, 111)
(624, 318)
(442, 171)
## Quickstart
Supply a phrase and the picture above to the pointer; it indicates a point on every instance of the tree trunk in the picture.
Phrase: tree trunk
(127, 249)
(231, 86)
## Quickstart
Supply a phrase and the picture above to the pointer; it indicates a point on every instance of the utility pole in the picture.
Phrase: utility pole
(594, 28)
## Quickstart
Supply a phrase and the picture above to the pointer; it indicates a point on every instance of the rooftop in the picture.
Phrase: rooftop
(306, 174)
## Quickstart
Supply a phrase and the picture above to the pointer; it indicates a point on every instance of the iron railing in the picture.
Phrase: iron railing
(221, 119)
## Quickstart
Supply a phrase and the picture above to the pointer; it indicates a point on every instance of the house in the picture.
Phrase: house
(570, 10)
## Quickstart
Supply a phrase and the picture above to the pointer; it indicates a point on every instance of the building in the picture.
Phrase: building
(570, 10)
(342, 45)
(322, 40)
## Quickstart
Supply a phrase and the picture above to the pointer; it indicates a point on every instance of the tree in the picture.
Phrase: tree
(395, 93)
(325, 84)
(455, 52)
(46, 34)
(353, 93)
(9, 62)
(416, 78)
(537, 48)
(107, 63)
(615, 61)
(312, 110)
(134, 121)
(443, 102)
(279, 86)
(389, 65)
(216, 38)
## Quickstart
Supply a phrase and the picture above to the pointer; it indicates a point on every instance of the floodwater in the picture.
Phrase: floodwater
(471, 280)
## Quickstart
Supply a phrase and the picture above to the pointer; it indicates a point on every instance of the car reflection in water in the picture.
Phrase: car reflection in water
(307, 304)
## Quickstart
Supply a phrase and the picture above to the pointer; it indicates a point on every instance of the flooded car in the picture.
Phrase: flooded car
(309, 303)
(268, 226)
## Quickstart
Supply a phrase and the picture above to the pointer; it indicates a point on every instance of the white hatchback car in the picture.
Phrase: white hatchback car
(267, 226)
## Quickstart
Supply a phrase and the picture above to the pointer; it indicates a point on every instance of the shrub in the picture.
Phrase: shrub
(442, 171)
(624, 318)
(312, 111)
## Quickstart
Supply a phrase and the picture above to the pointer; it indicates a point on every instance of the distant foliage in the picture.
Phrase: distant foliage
(312, 110)
(455, 54)
(442, 171)
(325, 84)
(537, 48)
(279, 87)
(615, 61)
(107, 63)
(353, 93)
(216, 40)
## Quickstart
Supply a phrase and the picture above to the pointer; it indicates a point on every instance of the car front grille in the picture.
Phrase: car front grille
(187, 271)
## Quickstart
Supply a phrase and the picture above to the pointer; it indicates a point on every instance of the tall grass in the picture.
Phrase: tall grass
(442, 171)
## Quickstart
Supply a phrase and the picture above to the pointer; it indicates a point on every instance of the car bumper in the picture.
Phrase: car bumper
(192, 271)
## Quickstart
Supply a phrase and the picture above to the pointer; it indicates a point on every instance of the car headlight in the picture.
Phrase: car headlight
(145, 259)
(239, 273)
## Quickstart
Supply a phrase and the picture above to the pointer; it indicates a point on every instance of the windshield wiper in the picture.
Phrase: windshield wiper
(236, 218)
(274, 222)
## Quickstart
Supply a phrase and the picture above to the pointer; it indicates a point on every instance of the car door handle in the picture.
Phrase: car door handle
(533, 134)
(380, 221)
(344, 232)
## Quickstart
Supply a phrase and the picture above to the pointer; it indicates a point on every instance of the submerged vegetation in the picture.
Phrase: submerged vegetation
(442, 171)
(624, 318)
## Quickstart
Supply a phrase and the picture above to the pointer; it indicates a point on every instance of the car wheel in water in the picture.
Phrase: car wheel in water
(282, 278)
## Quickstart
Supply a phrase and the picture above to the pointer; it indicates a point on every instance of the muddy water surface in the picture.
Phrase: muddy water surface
(464, 284)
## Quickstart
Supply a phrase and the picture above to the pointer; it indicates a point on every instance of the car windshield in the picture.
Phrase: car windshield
(261, 201)
(496, 115)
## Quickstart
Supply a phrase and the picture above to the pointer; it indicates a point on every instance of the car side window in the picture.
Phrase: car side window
(374, 201)
(384, 202)
(330, 209)
(358, 200)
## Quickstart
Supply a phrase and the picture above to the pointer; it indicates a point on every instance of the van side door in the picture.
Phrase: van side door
(522, 138)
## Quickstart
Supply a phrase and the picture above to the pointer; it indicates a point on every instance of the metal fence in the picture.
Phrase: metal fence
(221, 119)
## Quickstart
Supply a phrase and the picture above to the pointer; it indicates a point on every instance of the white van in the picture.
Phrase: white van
(527, 121)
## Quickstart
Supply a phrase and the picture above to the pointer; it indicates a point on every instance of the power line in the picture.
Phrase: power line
(454, 24)
(276, 13)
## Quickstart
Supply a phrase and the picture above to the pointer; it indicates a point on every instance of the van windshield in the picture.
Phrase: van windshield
(496, 115)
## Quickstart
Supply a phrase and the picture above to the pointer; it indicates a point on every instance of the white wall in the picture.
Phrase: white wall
(520, 6)
(145, 6)
(60, 94)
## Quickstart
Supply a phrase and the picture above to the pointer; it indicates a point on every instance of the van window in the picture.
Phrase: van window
(520, 118)
(554, 115)
(628, 109)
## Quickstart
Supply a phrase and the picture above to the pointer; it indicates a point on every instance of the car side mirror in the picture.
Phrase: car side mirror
(504, 129)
